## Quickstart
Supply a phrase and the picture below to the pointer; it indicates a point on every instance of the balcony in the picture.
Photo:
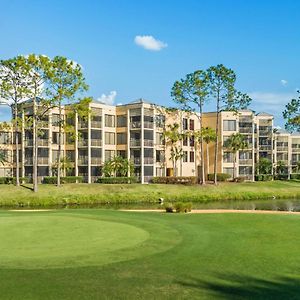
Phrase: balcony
(43, 160)
(28, 161)
(296, 148)
(82, 125)
(282, 148)
(28, 143)
(96, 161)
(135, 125)
(136, 160)
(135, 143)
(148, 143)
(96, 143)
(245, 161)
(148, 124)
(245, 130)
(148, 160)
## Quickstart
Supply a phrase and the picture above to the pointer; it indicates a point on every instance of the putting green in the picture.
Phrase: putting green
(52, 241)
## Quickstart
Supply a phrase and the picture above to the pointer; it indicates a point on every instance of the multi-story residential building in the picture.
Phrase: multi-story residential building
(135, 131)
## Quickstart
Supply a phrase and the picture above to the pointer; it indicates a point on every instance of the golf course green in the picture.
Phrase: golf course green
(106, 254)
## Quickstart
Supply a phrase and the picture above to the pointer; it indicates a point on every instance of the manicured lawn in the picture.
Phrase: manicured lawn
(104, 254)
(134, 193)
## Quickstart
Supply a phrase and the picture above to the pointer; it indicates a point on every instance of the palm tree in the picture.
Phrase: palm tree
(209, 135)
(173, 136)
(118, 166)
(235, 143)
(2, 158)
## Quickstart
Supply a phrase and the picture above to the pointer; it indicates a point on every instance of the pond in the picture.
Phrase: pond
(273, 204)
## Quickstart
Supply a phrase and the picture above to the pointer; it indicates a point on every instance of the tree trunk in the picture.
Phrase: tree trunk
(59, 145)
(35, 149)
(207, 159)
(217, 141)
(17, 146)
(201, 150)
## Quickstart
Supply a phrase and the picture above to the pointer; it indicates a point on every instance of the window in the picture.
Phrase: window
(245, 155)
(70, 154)
(121, 138)
(192, 125)
(109, 154)
(228, 157)
(160, 156)
(121, 153)
(185, 124)
(160, 172)
(55, 120)
(160, 138)
(109, 138)
(185, 156)
(245, 171)
(229, 125)
(122, 121)
(228, 171)
(148, 171)
(192, 141)
(192, 156)
(225, 138)
(109, 121)
(160, 121)
(185, 141)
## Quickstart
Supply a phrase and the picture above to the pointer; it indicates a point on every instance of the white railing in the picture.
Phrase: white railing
(148, 143)
(148, 124)
(96, 161)
(96, 124)
(135, 143)
(43, 160)
(148, 160)
(96, 143)
(245, 161)
(134, 125)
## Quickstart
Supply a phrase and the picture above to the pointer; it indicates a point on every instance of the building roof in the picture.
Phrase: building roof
(264, 114)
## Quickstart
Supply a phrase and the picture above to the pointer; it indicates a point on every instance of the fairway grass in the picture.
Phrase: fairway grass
(89, 194)
(148, 255)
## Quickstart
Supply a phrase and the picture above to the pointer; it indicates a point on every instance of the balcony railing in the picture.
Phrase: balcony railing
(82, 125)
(295, 148)
(148, 143)
(96, 161)
(245, 129)
(28, 161)
(135, 143)
(245, 161)
(43, 160)
(82, 143)
(148, 124)
(96, 143)
(96, 124)
(135, 125)
(265, 147)
(42, 142)
(83, 161)
(265, 132)
(136, 160)
(148, 160)
(28, 143)
(281, 148)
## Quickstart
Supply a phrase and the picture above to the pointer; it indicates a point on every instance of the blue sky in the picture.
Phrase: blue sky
(258, 39)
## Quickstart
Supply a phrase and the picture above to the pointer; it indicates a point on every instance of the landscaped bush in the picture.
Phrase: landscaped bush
(67, 179)
(169, 207)
(239, 179)
(113, 180)
(295, 176)
(12, 180)
(183, 207)
(263, 177)
(175, 180)
(220, 177)
(281, 177)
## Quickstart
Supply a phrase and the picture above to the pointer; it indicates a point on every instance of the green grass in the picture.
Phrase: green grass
(137, 193)
(103, 254)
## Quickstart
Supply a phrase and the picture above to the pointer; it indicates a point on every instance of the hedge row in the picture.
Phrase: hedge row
(175, 180)
(113, 180)
(220, 176)
(67, 179)
(12, 180)
(295, 176)
(263, 177)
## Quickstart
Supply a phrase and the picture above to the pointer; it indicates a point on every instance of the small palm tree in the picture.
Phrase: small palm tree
(235, 143)
(65, 165)
(209, 135)
(118, 166)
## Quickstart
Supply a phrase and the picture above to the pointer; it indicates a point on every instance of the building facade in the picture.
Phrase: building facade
(136, 131)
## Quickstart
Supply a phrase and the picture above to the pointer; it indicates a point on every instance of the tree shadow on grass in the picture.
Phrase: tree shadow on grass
(26, 187)
(224, 286)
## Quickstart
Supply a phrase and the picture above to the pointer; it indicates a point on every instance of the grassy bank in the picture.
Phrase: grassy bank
(137, 193)
(96, 254)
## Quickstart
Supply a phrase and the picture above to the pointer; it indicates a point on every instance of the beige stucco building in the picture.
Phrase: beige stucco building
(135, 131)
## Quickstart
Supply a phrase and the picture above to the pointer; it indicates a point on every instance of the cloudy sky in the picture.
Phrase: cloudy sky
(137, 49)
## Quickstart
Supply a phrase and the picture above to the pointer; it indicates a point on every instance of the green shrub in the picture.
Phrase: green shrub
(183, 207)
(169, 207)
(220, 176)
(239, 179)
(67, 179)
(12, 180)
(114, 180)
(295, 176)
(175, 180)
(263, 177)
(281, 177)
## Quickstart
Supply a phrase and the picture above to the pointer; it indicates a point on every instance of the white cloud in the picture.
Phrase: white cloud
(108, 99)
(148, 42)
(283, 82)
